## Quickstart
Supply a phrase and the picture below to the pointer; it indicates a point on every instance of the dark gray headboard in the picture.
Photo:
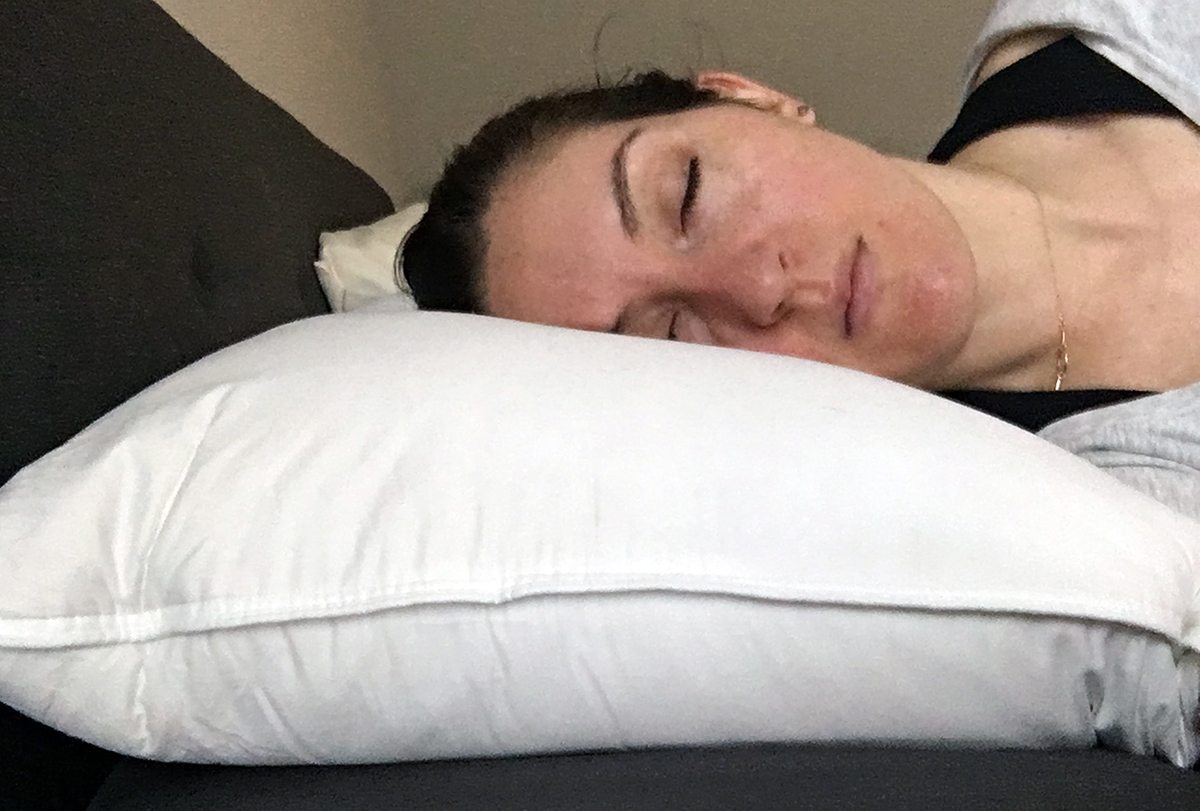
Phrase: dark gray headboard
(153, 208)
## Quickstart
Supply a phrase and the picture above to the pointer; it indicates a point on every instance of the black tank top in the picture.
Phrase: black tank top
(1066, 78)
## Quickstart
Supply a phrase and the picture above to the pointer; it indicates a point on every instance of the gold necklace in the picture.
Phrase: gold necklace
(1062, 358)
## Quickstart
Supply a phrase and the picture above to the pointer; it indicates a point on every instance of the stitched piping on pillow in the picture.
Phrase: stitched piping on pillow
(231, 613)
(409, 595)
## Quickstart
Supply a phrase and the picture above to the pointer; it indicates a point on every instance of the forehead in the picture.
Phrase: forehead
(553, 230)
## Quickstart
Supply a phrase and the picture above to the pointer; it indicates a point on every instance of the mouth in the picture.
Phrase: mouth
(860, 291)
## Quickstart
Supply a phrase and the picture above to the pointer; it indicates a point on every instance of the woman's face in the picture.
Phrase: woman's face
(738, 227)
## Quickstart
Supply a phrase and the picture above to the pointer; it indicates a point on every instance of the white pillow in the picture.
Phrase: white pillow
(491, 538)
(361, 265)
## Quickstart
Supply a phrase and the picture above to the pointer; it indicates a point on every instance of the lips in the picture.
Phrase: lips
(860, 291)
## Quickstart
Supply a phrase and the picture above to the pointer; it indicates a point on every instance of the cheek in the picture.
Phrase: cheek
(930, 288)
(775, 180)
(934, 259)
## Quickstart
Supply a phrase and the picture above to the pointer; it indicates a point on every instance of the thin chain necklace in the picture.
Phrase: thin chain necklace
(1062, 358)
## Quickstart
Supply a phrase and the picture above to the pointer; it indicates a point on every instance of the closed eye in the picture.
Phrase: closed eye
(690, 190)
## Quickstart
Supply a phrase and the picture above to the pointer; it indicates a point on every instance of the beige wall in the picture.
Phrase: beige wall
(393, 84)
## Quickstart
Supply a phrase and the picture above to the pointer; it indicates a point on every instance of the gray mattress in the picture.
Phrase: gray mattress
(763, 778)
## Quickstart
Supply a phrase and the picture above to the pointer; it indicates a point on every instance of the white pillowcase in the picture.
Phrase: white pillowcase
(361, 265)
(491, 538)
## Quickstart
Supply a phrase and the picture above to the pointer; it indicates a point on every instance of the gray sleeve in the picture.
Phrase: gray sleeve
(1152, 444)
(1155, 41)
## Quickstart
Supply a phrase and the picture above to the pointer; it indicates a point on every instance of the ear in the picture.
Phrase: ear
(735, 87)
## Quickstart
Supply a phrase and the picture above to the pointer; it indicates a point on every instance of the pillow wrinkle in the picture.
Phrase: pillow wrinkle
(202, 434)
(138, 709)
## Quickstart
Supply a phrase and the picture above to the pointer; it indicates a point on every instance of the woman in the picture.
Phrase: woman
(1043, 262)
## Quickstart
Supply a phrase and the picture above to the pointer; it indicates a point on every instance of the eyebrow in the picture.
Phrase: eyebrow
(620, 184)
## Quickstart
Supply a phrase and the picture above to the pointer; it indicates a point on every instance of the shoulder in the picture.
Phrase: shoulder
(1014, 49)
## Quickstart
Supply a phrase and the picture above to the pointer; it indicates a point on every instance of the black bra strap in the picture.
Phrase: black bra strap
(1034, 410)
(1065, 78)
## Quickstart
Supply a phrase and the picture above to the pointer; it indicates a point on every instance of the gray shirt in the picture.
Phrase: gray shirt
(1152, 443)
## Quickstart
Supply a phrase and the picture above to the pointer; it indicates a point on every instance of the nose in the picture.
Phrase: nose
(768, 287)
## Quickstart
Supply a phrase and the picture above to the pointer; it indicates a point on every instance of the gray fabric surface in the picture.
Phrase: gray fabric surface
(1152, 444)
(755, 778)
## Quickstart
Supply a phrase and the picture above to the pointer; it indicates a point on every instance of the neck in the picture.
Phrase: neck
(1014, 342)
